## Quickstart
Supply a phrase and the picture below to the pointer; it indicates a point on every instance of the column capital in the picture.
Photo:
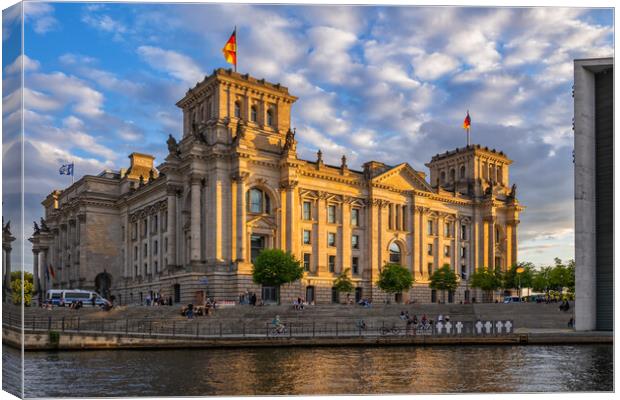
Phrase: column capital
(172, 190)
(289, 185)
(240, 176)
(196, 179)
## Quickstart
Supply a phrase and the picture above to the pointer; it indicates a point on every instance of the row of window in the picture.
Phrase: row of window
(448, 230)
(331, 214)
(143, 226)
(331, 263)
(446, 250)
(331, 239)
(154, 247)
(270, 115)
(397, 217)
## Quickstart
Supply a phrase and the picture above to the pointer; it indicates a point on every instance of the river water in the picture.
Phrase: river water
(317, 370)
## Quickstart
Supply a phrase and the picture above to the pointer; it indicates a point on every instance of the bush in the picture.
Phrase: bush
(394, 278)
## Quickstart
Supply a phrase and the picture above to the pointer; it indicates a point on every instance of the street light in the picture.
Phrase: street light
(519, 271)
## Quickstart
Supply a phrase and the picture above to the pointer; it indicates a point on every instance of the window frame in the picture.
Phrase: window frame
(331, 243)
(355, 220)
(309, 241)
(331, 214)
(331, 266)
(355, 244)
(307, 216)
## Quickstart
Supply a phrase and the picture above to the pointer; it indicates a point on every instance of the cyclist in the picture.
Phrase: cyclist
(277, 324)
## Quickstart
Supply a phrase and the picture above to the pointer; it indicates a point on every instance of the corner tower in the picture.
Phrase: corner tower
(471, 170)
(238, 103)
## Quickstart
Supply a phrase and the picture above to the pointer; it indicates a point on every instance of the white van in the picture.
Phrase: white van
(69, 296)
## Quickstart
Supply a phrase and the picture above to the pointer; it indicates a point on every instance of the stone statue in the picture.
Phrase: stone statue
(151, 175)
(141, 181)
(240, 132)
(319, 156)
(173, 146)
(513, 191)
(7, 228)
(290, 144)
(36, 228)
(44, 226)
(344, 161)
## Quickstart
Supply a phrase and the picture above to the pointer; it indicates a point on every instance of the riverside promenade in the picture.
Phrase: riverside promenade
(240, 326)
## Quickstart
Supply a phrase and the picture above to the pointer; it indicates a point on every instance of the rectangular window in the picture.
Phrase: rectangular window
(429, 249)
(463, 252)
(306, 237)
(156, 267)
(135, 252)
(331, 239)
(155, 247)
(429, 227)
(446, 229)
(355, 265)
(430, 268)
(446, 251)
(134, 230)
(331, 214)
(463, 232)
(146, 269)
(332, 263)
(355, 241)
(257, 244)
(155, 220)
(165, 245)
(306, 262)
(307, 210)
(355, 217)
(144, 227)
(146, 250)
(390, 213)
(398, 227)
(404, 216)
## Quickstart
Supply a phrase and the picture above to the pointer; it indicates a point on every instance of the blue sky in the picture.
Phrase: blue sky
(384, 83)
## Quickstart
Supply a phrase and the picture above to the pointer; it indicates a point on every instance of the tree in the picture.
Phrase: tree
(274, 267)
(343, 283)
(513, 279)
(394, 278)
(486, 280)
(444, 279)
(16, 291)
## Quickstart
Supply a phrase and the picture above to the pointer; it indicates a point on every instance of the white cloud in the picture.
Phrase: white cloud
(175, 64)
(22, 61)
(70, 90)
(435, 65)
(106, 24)
(41, 15)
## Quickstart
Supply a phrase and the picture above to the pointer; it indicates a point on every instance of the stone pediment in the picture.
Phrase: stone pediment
(262, 222)
(402, 177)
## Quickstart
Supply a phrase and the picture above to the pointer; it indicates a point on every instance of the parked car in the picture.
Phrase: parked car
(512, 299)
(69, 296)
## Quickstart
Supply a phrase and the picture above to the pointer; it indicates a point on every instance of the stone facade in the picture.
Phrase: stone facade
(234, 184)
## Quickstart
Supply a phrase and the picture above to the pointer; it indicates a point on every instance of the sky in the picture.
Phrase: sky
(391, 84)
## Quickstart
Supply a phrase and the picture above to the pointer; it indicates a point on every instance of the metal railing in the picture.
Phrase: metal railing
(212, 328)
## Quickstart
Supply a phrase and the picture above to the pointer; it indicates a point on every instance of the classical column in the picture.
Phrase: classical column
(43, 271)
(345, 242)
(415, 233)
(456, 256)
(374, 209)
(322, 235)
(513, 242)
(241, 215)
(196, 182)
(7, 272)
(292, 234)
(35, 271)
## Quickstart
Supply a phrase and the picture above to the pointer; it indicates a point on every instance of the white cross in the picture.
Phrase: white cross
(479, 327)
(439, 326)
(459, 326)
(508, 326)
(487, 326)
(448, 327)
(499, 326)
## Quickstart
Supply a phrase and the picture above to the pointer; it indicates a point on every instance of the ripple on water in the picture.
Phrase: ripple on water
(321, 370)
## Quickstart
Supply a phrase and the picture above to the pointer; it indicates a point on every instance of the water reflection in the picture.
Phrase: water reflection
(333, 370)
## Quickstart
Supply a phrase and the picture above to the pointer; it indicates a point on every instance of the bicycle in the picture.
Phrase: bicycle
(389, 331)
(278, 330)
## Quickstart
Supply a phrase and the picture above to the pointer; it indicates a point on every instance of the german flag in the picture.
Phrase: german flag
(230, 49)
(467, 121)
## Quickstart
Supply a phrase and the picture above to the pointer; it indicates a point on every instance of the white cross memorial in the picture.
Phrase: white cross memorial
(479, 327)
(448, 327)
(459, 327)
(499, 325)
(439, 326)
(487, 327)
(508, 326)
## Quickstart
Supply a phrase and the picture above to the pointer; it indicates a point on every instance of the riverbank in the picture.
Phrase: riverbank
(45, 341)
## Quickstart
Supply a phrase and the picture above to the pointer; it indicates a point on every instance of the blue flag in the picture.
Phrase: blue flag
(66, 169)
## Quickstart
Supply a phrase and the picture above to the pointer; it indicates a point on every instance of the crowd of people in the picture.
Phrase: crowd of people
(158, 300)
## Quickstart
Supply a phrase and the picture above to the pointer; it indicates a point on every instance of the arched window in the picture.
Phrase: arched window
(254, 114)
(452, 175)
(462, 171)
(395, 253)
(270, 117)
(443, 176)
(258, 201)
(237, 109)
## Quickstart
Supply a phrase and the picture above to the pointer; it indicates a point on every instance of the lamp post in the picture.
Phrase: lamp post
(519, 271)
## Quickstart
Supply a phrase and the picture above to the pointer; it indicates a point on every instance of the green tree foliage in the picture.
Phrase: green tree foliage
(16, 292)
(486, 280)
(444, 279)
(512, 279)
(274, 267)
(18, 275)
(555, 278)
(394, 278)
(343, 283)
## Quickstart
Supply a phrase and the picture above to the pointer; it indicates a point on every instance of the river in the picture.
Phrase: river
(313, 370)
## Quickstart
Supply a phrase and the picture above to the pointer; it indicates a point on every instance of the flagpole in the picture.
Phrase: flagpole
(72, 172)
(236, 48)
(468, 141)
